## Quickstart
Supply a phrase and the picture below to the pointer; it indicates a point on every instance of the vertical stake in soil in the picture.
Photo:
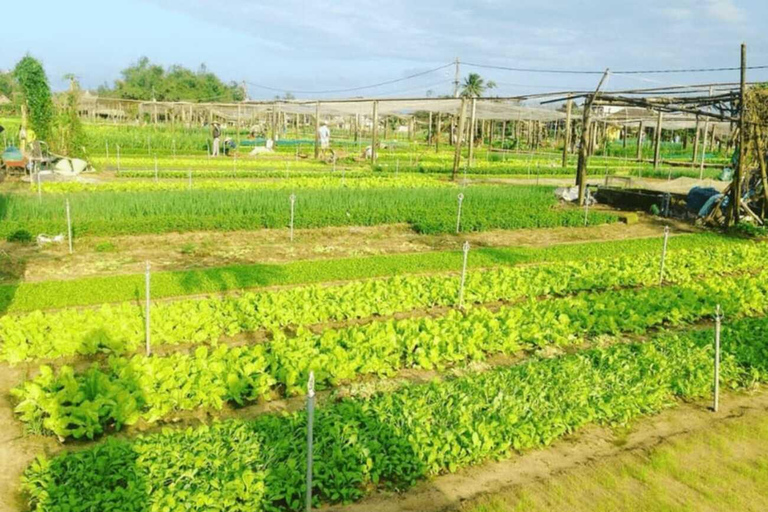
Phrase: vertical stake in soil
(716, 399)
(39, 186)
(310, 420)
(458, 214)
(664, 254)
(292, 198)
(69, 227)
(586, 208)
(147, 310)
(465, 248)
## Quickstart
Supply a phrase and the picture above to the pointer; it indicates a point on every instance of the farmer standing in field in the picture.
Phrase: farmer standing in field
(216, 136)
(324, 134)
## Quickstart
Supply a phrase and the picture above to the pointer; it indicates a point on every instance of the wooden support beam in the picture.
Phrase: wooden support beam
(317, 130)
(581, 169)
(437, 133)
(459, 133)
(738, 174)
(657, 141)
(696, 138)
(472, 132)
(375, 133)
(567, 141)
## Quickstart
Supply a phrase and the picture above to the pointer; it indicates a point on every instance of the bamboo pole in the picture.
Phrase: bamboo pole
(567, 141)
(657, 141)
(375, 132)
(317, 130)
(459, 133)
(472, 131)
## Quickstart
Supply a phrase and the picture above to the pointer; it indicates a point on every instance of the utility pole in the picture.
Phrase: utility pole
(456, 78)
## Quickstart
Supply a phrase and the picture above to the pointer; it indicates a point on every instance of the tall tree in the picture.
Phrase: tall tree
(36, 94)
(475, 86)
(147, 81)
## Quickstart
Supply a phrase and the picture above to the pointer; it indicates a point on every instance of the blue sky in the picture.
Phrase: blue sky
(326, 45)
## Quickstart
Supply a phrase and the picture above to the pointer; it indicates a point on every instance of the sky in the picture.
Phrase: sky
(316, 46)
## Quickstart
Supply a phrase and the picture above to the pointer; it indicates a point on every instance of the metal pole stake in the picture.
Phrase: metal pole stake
(69, 227)
(147, 309)
(458, 215)
(664, 254)
(465, 248)
(718, 320)
(310, 421)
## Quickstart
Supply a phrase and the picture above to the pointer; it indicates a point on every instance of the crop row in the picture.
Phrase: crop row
(394, 439)
(120, 328)
(71, 404)
(326, 182)
(428, 210)
(31, 296)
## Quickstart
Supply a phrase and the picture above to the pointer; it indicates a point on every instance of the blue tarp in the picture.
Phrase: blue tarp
(12, 154)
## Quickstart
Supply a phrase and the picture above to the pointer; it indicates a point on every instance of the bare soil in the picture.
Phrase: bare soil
(103, 256)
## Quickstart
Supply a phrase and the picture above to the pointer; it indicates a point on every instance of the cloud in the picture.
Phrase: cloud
(676, 13)
(724, 10)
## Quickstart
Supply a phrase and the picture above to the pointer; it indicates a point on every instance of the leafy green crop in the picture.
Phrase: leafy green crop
(394, 439)
(98, 290)
(428, 210)
(120, 328)
(81, 405)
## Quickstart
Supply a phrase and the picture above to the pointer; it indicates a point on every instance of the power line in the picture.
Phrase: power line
(352, 89)
(620, 72)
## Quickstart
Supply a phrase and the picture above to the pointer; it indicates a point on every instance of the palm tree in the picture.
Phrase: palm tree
(474, 86)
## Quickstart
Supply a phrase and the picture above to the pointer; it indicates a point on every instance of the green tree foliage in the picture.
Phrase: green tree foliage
(145, 81)
(6, 84)
(475, 86)
(36, 93)
(70, 135)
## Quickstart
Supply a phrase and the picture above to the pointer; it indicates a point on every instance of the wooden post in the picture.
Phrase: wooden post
(437, 134)
(640, 134)
(490, 134)
(739, 171)
(459, 132)
(503, 133)
(657, 141)
(238, 126)
(704, 143)
(429, 129)
(567, 142)
(410, 129)
(581, 169)
(317, 130)
(357, 127)
(694, 159)
(471, 139)
(375, 132)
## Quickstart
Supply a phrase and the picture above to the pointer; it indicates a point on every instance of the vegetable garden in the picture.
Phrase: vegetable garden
(185, 388)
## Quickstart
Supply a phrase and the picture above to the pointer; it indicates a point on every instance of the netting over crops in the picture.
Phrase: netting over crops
(485, 108)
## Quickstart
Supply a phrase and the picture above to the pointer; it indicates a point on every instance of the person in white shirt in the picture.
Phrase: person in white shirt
(324, 133)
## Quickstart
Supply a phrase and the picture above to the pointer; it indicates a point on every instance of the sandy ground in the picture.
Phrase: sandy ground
(178, 251)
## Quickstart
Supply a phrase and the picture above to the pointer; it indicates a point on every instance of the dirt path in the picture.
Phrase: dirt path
(448, 492)
(181, 251)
